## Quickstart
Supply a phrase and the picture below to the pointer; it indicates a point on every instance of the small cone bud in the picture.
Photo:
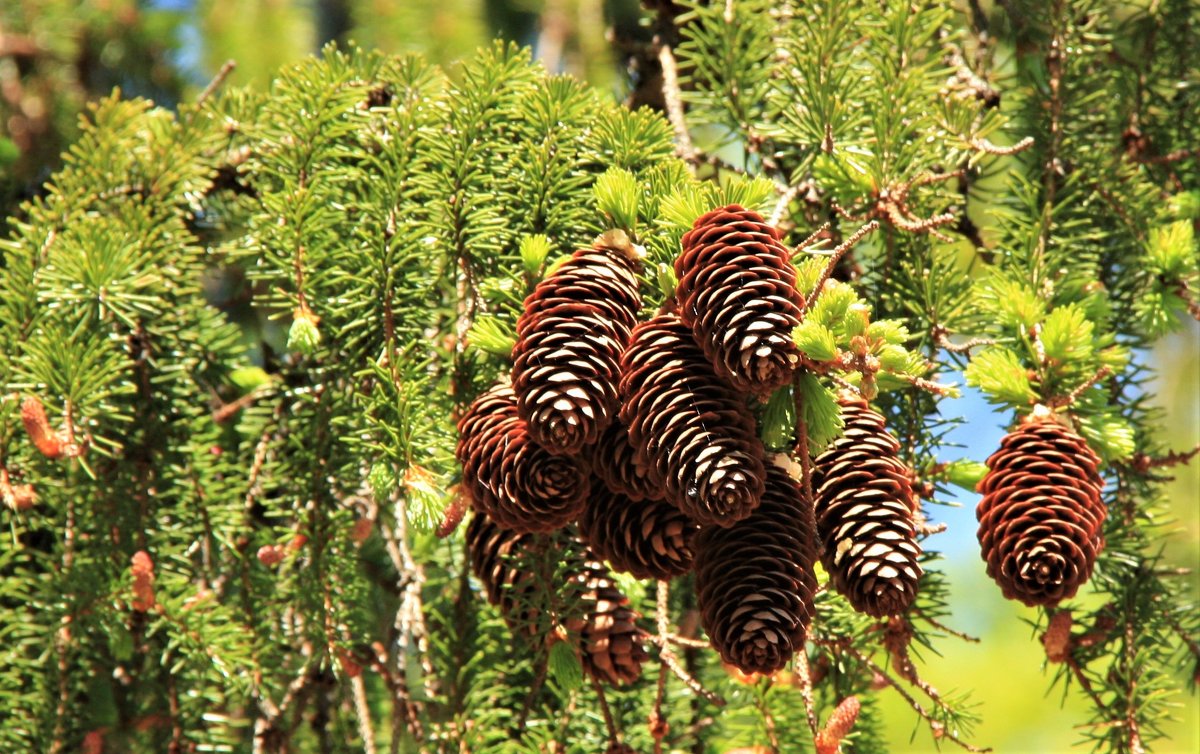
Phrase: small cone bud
(838, 726)
(362, 529)
(142, 569)
(270, 555)
(304, 336)
(1057, 639)
(452, 517)
(33, 416)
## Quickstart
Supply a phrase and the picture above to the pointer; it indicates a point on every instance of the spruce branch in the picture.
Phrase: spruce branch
(941, 337)
(214, 84)
(834, 258)
(987, 147)
(1142, 462)
(663, 639)
(674, 101)
(812, 239)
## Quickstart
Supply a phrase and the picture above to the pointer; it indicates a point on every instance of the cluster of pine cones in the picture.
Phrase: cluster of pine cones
(641, 436)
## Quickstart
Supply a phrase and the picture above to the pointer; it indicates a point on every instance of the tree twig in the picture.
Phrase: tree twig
(812, 238)
(983, 145)
(674, 99)
(217, 80)
(835, 257)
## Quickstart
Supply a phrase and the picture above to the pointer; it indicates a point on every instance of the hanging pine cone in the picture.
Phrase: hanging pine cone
(612, 646)
(493, 552)
(1041, 516)
(737, 292)
(510, 478)
(755, 581)
(693, 433)
(649, 538)
(569, 342)
(865, 507)
(613, 460)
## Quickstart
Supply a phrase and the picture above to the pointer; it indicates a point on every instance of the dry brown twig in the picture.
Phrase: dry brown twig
(835, 257)
(941, 336)
(667, 656)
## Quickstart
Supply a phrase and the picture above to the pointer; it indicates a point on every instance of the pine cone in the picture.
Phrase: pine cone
(737, 292)
(493, 552)
(507, 476)
(613, 647)
(755, 581)
(865, 507)
(569, 342)
(1041, 517)
(691, 431)
(613, 460)
(649, 539)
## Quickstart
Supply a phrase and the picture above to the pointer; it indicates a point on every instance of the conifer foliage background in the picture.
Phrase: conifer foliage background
(253, 322)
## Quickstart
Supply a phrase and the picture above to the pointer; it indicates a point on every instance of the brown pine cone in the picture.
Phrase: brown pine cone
(569, 342)
(755, 581)
(865, 507)
(611, 643)
(613, 460)
(649, 539)
(510, 478)
(737, 292)
(612, 646)
(495, 554)
(692, 432)
(1041, 518)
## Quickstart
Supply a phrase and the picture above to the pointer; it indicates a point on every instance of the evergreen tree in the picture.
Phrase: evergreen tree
(269, 486)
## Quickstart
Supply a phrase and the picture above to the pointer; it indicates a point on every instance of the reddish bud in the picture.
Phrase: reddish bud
(93, 742)
(269, 555)
(298, 541)
(362, 529)
(838, 726)
(452, 517)
(351, 668)
(142, 569)
(23, 497)
(1057, 639)
(33, 416)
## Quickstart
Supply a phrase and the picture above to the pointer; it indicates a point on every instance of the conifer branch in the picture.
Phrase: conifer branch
(983, 145)
(674, 99)
(835, 257)
(217, 81)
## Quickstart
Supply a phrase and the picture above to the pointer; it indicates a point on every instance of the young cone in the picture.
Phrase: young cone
(865, 506)
(493, 552)
(755, 581)
(509, 477)
(649, 539)
(737, 292)
(693, 433)
(1041, 516)
(612, 646)
(569, 342)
